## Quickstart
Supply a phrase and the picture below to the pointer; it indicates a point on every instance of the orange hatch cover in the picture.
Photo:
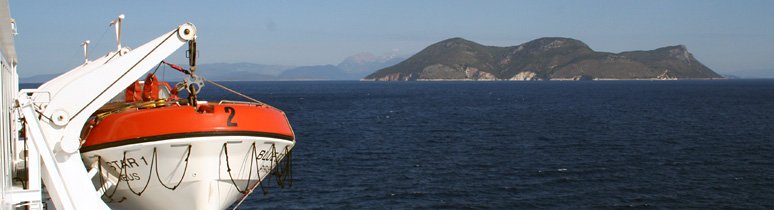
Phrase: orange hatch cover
(186, 121)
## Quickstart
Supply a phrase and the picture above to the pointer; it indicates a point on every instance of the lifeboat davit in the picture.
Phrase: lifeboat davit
(165, 153)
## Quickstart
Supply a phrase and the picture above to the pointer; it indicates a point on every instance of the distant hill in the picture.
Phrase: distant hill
(321, 72)
(730, 76)
(358, 66)
(542, 59)
(753, 73)
(240, 71)
(38, 78)
(352, 68)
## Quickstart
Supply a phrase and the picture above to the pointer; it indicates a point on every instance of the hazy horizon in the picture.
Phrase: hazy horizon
(727, 36)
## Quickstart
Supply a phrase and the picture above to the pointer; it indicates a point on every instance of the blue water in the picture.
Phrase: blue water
(504, 145)
(524, 145)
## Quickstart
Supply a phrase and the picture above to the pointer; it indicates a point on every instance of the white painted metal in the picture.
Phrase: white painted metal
(206, 184)
(13, 194)
(66, 102)
(7, 31)
(57, 132)
(53, 116)
(85, 46)
(117, 24)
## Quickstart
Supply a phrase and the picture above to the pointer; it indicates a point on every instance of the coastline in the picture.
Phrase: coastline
(554, 79)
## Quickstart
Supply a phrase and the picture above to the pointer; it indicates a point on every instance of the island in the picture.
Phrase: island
(549, 58)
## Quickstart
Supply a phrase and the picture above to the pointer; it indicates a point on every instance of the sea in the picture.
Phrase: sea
(706, 144)
(703, 144)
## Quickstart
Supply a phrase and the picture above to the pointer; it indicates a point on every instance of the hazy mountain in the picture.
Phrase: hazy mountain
(730, 76)
(542, 59)
(321, 72)
(753, 73)
(38, 78)
(352, 68)
(362, 64)
(240, 71)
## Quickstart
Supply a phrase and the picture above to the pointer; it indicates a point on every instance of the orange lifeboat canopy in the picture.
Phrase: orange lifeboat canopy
(170, 122)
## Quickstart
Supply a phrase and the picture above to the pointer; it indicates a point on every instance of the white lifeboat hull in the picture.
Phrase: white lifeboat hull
(132, 177)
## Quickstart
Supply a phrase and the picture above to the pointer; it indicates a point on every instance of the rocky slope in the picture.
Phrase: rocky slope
(542, 59)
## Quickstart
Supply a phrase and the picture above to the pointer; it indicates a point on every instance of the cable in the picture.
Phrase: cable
(233, 91)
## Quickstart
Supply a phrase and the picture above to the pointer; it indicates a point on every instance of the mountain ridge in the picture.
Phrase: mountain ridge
(547, 58)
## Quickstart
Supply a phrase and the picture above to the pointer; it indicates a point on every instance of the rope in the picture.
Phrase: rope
(181, 177)
(102, 114)
(15, 171)
(101, 37)
(40, 114)
(124, 74)
(99, 171)
(268, 176)
(102, 183)
(283, 173)
(289, 165)
(124, 172)
(157, 68)
(228, 169)
(258, 172)
(150, 170)
(232, 91)
(273, 165)
(190, 72)
(281, 170)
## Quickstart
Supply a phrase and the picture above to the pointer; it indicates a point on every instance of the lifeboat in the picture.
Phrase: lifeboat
(150, 149)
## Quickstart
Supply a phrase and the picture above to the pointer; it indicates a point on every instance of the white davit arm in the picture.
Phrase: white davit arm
(56, 134)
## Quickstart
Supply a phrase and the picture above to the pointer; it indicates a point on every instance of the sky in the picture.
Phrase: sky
(727, 36)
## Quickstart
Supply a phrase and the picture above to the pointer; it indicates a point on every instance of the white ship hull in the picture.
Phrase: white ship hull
(206, 182)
